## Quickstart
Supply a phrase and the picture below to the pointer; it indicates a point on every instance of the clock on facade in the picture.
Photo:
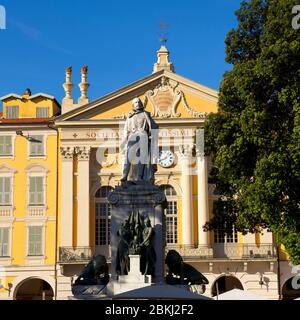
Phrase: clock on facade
(166, 158)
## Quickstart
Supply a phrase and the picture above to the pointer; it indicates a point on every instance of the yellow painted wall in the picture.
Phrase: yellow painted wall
(5, 281)
(59, 223)
(27, 108)
(195, 102)
(21, 193)
(20, 162)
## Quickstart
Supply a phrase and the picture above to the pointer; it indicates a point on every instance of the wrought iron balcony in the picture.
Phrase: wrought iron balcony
(192, 251)
(229, 251)
(74, 255)
(245, 251)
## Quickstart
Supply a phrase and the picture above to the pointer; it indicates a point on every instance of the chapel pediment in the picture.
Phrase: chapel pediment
(165, 95)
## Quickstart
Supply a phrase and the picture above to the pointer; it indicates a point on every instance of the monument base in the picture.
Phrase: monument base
(134, 279)
(149, 200)
(88, 292)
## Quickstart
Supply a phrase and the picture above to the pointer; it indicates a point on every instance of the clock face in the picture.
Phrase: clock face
(166, 158)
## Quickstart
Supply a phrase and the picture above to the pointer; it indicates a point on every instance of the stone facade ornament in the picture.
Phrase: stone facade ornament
(200, 143)
(191, 111)
(164, 99)
(83, 153)
(67, 152)
(68, 85)
(186, 151)
(83, 86)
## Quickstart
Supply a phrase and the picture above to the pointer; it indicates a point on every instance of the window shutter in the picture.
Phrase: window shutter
(39, 189)
(5, 190)
(8, 145)
(12, 112)
(2, 145)
(2, 190)
(4, 241)
(37, 146)
(42, 112)
(7, 184)
(35, 241)
(36, 191)
(5, 145)
(31, 190)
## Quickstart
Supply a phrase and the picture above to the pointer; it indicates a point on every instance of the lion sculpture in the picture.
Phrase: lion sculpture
(95, 272)
(181, 272)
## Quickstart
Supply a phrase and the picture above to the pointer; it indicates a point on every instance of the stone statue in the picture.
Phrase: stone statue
(95, 272)
(182, 273)
(148, 256)
(139, 145)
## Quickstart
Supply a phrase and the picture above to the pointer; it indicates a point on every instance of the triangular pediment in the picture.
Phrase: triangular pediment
(165, 94)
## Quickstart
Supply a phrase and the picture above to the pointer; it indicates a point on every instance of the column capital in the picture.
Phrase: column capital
(200, 144)
(186, 151)
(200, 153)
(83, 153)
(67, 152)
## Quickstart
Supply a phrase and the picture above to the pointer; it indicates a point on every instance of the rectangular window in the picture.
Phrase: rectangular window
(35, 240)
(12, 112)
(5, 191)
(220, 236)
(36, 191)
(171, 222)
(36, 145)
(4, 242)
(103, 220)
(5, 145)
(42, 112)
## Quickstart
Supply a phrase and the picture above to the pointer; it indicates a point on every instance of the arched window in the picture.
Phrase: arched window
(103, 216)
(171, 214)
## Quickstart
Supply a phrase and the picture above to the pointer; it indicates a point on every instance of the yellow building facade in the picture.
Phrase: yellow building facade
(28, 193)
(77, 162)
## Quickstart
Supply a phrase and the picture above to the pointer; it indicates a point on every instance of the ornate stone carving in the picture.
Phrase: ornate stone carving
(83, 153)
(186, 151)
(83, 86)
(110, 162)
(68, 85)
(164, 99)
(200, 144)
(67, 152)
(191, 111)
(120, 116)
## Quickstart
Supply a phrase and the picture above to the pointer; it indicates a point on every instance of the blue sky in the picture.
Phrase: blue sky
(118, 40)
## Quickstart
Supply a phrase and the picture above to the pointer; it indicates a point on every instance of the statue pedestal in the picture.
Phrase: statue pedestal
(88, 292)
(134, 279)
(150, 201)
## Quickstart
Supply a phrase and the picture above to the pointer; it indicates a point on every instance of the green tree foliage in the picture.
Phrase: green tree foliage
(254, 139)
